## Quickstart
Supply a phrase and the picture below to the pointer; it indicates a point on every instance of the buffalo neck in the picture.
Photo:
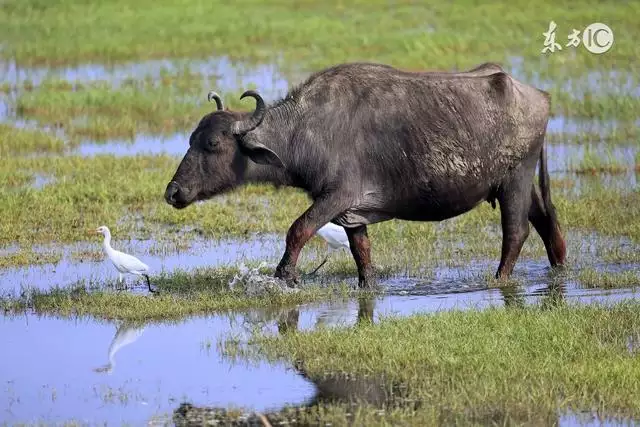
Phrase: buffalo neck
(275, 132)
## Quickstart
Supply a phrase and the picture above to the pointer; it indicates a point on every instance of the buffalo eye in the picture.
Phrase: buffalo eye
(211, 142)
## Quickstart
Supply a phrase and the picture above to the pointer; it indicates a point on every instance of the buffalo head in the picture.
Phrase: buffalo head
(218, 154)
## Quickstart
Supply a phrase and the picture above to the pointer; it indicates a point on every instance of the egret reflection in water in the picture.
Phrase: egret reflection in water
(126, 334)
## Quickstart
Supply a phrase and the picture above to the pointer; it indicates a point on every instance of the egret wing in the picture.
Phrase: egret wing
(130, 262)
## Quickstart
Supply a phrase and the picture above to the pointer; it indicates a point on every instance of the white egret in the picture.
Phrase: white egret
(124, 263)
(336, 238)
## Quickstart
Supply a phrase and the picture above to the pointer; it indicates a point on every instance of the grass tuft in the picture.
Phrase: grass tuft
(592, 278)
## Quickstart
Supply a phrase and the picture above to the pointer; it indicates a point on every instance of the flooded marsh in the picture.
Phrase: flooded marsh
(94, 120)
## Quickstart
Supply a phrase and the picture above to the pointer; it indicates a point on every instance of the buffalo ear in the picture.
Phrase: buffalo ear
(259, 153)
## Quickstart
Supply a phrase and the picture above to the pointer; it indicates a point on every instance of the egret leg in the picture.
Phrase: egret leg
(120, 284)
(146, 276)
(318, 267)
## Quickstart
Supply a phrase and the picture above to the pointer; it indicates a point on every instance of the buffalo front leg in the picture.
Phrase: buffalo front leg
(302, 229)
(361, 251)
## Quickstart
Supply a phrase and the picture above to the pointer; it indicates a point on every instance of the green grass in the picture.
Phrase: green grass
(307, 32)
(302, 37)
(622, 107)
(599, 279)
(26, 257)
(22, 141)
(100, 111)
(508, 365)
(625, 134)
(175, 103)
(501, 366)
(180, 294)
(595, 162)
(606, 211)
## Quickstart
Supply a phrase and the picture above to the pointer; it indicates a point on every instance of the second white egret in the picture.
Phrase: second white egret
(124, 263)
(335, 237)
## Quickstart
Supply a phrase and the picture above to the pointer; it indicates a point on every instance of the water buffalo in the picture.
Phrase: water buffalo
(369, 143)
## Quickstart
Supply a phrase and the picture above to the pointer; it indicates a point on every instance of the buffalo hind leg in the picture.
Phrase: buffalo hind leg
(361, 251)
(547, 227)
(514, 201)
(302, 229)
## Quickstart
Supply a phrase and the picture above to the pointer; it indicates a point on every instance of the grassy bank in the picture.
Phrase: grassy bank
(499, 365)
(179, 294)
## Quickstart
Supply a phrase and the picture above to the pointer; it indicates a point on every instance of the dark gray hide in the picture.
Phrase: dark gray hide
(370, 143)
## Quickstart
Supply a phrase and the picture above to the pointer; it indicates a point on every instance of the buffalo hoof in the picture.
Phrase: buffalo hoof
(289, 275)
(368, 281)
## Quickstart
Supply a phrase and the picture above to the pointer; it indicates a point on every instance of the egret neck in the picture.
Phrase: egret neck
(107, 243)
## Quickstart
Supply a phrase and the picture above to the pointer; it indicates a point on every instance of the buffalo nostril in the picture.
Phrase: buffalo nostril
(172, 190)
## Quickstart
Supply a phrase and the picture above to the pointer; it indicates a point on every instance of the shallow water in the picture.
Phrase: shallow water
(568, 125)
(578, 185)
(176, 145)
(132, 373)
(155, 368)
(85, 261)
(586, 418)
(595, 82)
(42, 180)
(229, 75)
(79, 261)
(564, 157)
(99, 371)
